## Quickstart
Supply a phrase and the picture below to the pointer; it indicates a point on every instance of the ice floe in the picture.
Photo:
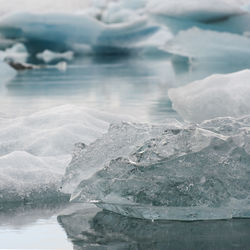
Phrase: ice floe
(60, 32)
(215, 96)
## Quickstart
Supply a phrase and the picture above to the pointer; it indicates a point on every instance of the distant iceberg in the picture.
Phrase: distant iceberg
(215, 96)
(195, 10)
(61, 32)
(201, 46)
(173, 171)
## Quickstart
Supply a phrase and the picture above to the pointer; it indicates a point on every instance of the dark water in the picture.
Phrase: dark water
(137, 88)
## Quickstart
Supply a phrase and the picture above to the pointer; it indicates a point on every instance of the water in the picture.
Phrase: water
(86, 227)
(134, 88)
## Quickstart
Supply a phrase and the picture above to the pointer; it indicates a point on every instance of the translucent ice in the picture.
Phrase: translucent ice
(173, 171)
(215, 96)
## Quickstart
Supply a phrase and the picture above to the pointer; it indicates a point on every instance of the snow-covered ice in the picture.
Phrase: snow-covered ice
(215, 96)
(36, 148)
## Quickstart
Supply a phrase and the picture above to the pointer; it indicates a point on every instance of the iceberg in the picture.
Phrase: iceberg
(36, 148)
(214, 96)
(173, 171)
(206, 45)
(62, 32)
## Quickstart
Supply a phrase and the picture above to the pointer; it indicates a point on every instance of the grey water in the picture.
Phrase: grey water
(136, 88)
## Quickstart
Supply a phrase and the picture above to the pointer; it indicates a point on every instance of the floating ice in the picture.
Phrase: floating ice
(44, 6)
(210, 46)
(6, 72)
(36, 148)
(48, 56)
(61, 32)
(215, 96)
(173, 171)
(17, 52)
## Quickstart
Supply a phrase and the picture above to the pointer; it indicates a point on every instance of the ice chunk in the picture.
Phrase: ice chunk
(119, 141)
(18, 53)
(48, 56)
(215, 96)
(188, 172)
(36, 148)
(208, 45)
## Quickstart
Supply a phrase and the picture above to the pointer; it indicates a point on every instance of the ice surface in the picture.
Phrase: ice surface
(36, 148)
(215, 96)
(172, 171)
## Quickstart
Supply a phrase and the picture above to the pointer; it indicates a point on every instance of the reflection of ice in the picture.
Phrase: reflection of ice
(106, 230)
(26, 226)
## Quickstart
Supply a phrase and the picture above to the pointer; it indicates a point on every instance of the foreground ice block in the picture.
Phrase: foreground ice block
(215, 96)
(172, 171)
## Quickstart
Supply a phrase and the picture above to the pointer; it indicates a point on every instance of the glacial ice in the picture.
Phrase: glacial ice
(61, 32)
(173, 171)
(207, 45)
(215, 96)
(35, 149)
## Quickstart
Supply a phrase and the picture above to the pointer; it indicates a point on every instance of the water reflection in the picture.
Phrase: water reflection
(125, 86)
(93, 229)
